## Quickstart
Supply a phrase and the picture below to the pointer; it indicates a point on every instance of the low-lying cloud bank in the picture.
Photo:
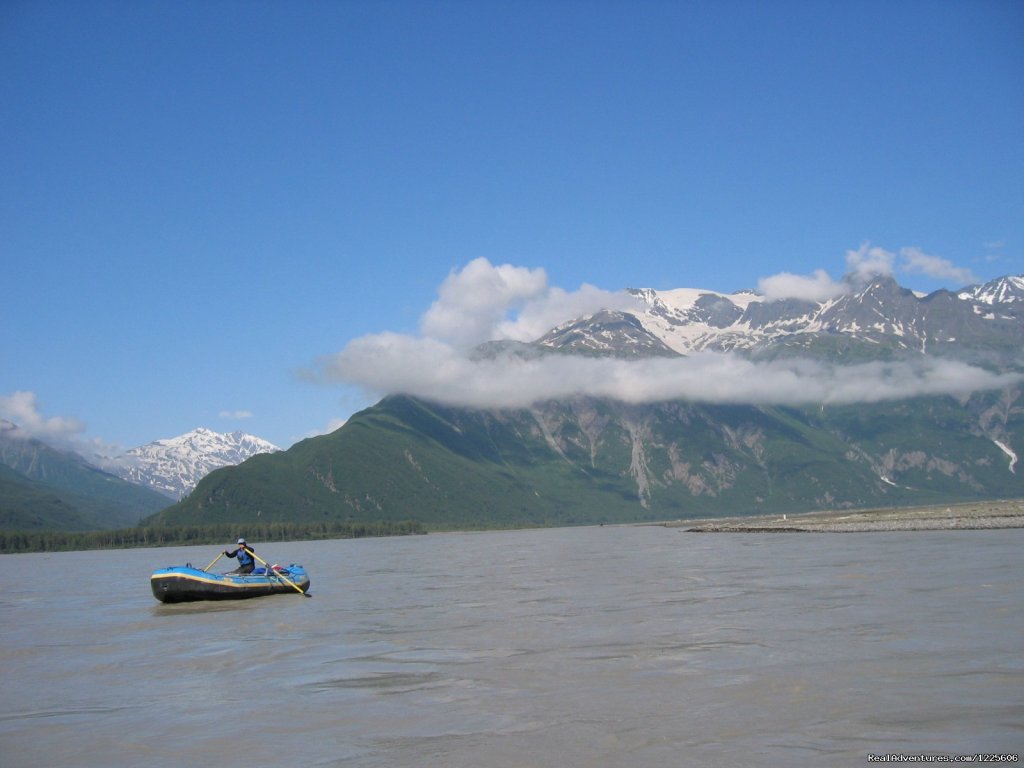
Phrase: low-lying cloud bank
(485, 302)
(432, 370)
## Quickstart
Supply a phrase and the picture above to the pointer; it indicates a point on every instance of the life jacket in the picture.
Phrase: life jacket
(244, 558)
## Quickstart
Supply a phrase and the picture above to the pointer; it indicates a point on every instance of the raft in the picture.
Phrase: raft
(183, 583)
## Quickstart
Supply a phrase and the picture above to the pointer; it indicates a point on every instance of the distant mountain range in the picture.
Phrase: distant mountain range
(587, 460)
(174, 465)
(46, 488)
(43, 487)
(981, 324)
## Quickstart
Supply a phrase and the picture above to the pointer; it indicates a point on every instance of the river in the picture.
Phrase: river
(594, 647)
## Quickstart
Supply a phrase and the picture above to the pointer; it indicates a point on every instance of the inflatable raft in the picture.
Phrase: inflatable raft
(183, 583)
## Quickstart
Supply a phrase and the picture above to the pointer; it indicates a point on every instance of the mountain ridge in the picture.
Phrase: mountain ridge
(693, 320)
(582, 459)
(45, 487)
(48, 487)
(173, 466)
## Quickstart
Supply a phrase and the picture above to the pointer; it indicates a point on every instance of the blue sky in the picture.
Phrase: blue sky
(201, 200)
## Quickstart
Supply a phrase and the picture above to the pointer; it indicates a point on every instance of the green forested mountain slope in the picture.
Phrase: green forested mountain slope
(591, 461)
(29, 506)
(89, 497)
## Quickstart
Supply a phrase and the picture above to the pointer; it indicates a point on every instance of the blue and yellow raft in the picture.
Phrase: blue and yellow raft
(183, 583)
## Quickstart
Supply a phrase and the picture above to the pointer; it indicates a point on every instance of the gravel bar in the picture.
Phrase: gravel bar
(968, 516)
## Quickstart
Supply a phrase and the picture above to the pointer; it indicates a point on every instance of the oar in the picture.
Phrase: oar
(271, 571)
(218, 557)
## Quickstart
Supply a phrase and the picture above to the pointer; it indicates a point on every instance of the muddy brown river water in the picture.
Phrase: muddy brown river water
(588, 647)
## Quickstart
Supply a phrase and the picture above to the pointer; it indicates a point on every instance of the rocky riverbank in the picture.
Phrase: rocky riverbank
(969, 516)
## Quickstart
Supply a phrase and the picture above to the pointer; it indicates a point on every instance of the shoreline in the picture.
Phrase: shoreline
(976, 515)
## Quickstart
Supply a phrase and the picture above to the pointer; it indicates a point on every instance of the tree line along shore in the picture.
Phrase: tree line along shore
(127, 538)
(1002, 513)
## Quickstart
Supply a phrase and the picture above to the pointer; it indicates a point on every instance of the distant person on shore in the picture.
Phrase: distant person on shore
(245, 559)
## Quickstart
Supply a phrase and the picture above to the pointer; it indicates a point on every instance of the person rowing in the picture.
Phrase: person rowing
(244, 553)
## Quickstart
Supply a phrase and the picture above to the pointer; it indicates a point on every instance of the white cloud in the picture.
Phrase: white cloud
(483, 302)
(917, 261)
(22, 408)
(520, 306)
(473, 302)
(235, 415)
(863, 264)
(816, 287)
(388, 363)
(870, 261)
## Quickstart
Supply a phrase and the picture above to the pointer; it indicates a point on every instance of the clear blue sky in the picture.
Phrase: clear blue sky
(199, 200)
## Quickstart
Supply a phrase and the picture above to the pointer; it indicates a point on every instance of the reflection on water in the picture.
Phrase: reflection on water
(591, 647)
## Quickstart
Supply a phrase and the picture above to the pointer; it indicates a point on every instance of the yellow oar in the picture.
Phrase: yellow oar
(282, 577)
(218, 557)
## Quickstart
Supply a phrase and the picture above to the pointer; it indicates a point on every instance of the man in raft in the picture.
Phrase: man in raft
(245, 559)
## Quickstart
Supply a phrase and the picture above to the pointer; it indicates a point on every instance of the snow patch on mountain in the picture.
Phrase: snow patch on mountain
(880, 311)
(174, 466)
(1003, 290)
(1009, 453)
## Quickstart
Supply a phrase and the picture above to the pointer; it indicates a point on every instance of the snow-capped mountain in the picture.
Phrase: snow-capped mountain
(173, 466)
(876, 318)
(589, 459)
(1003, 291)
(606, 332)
